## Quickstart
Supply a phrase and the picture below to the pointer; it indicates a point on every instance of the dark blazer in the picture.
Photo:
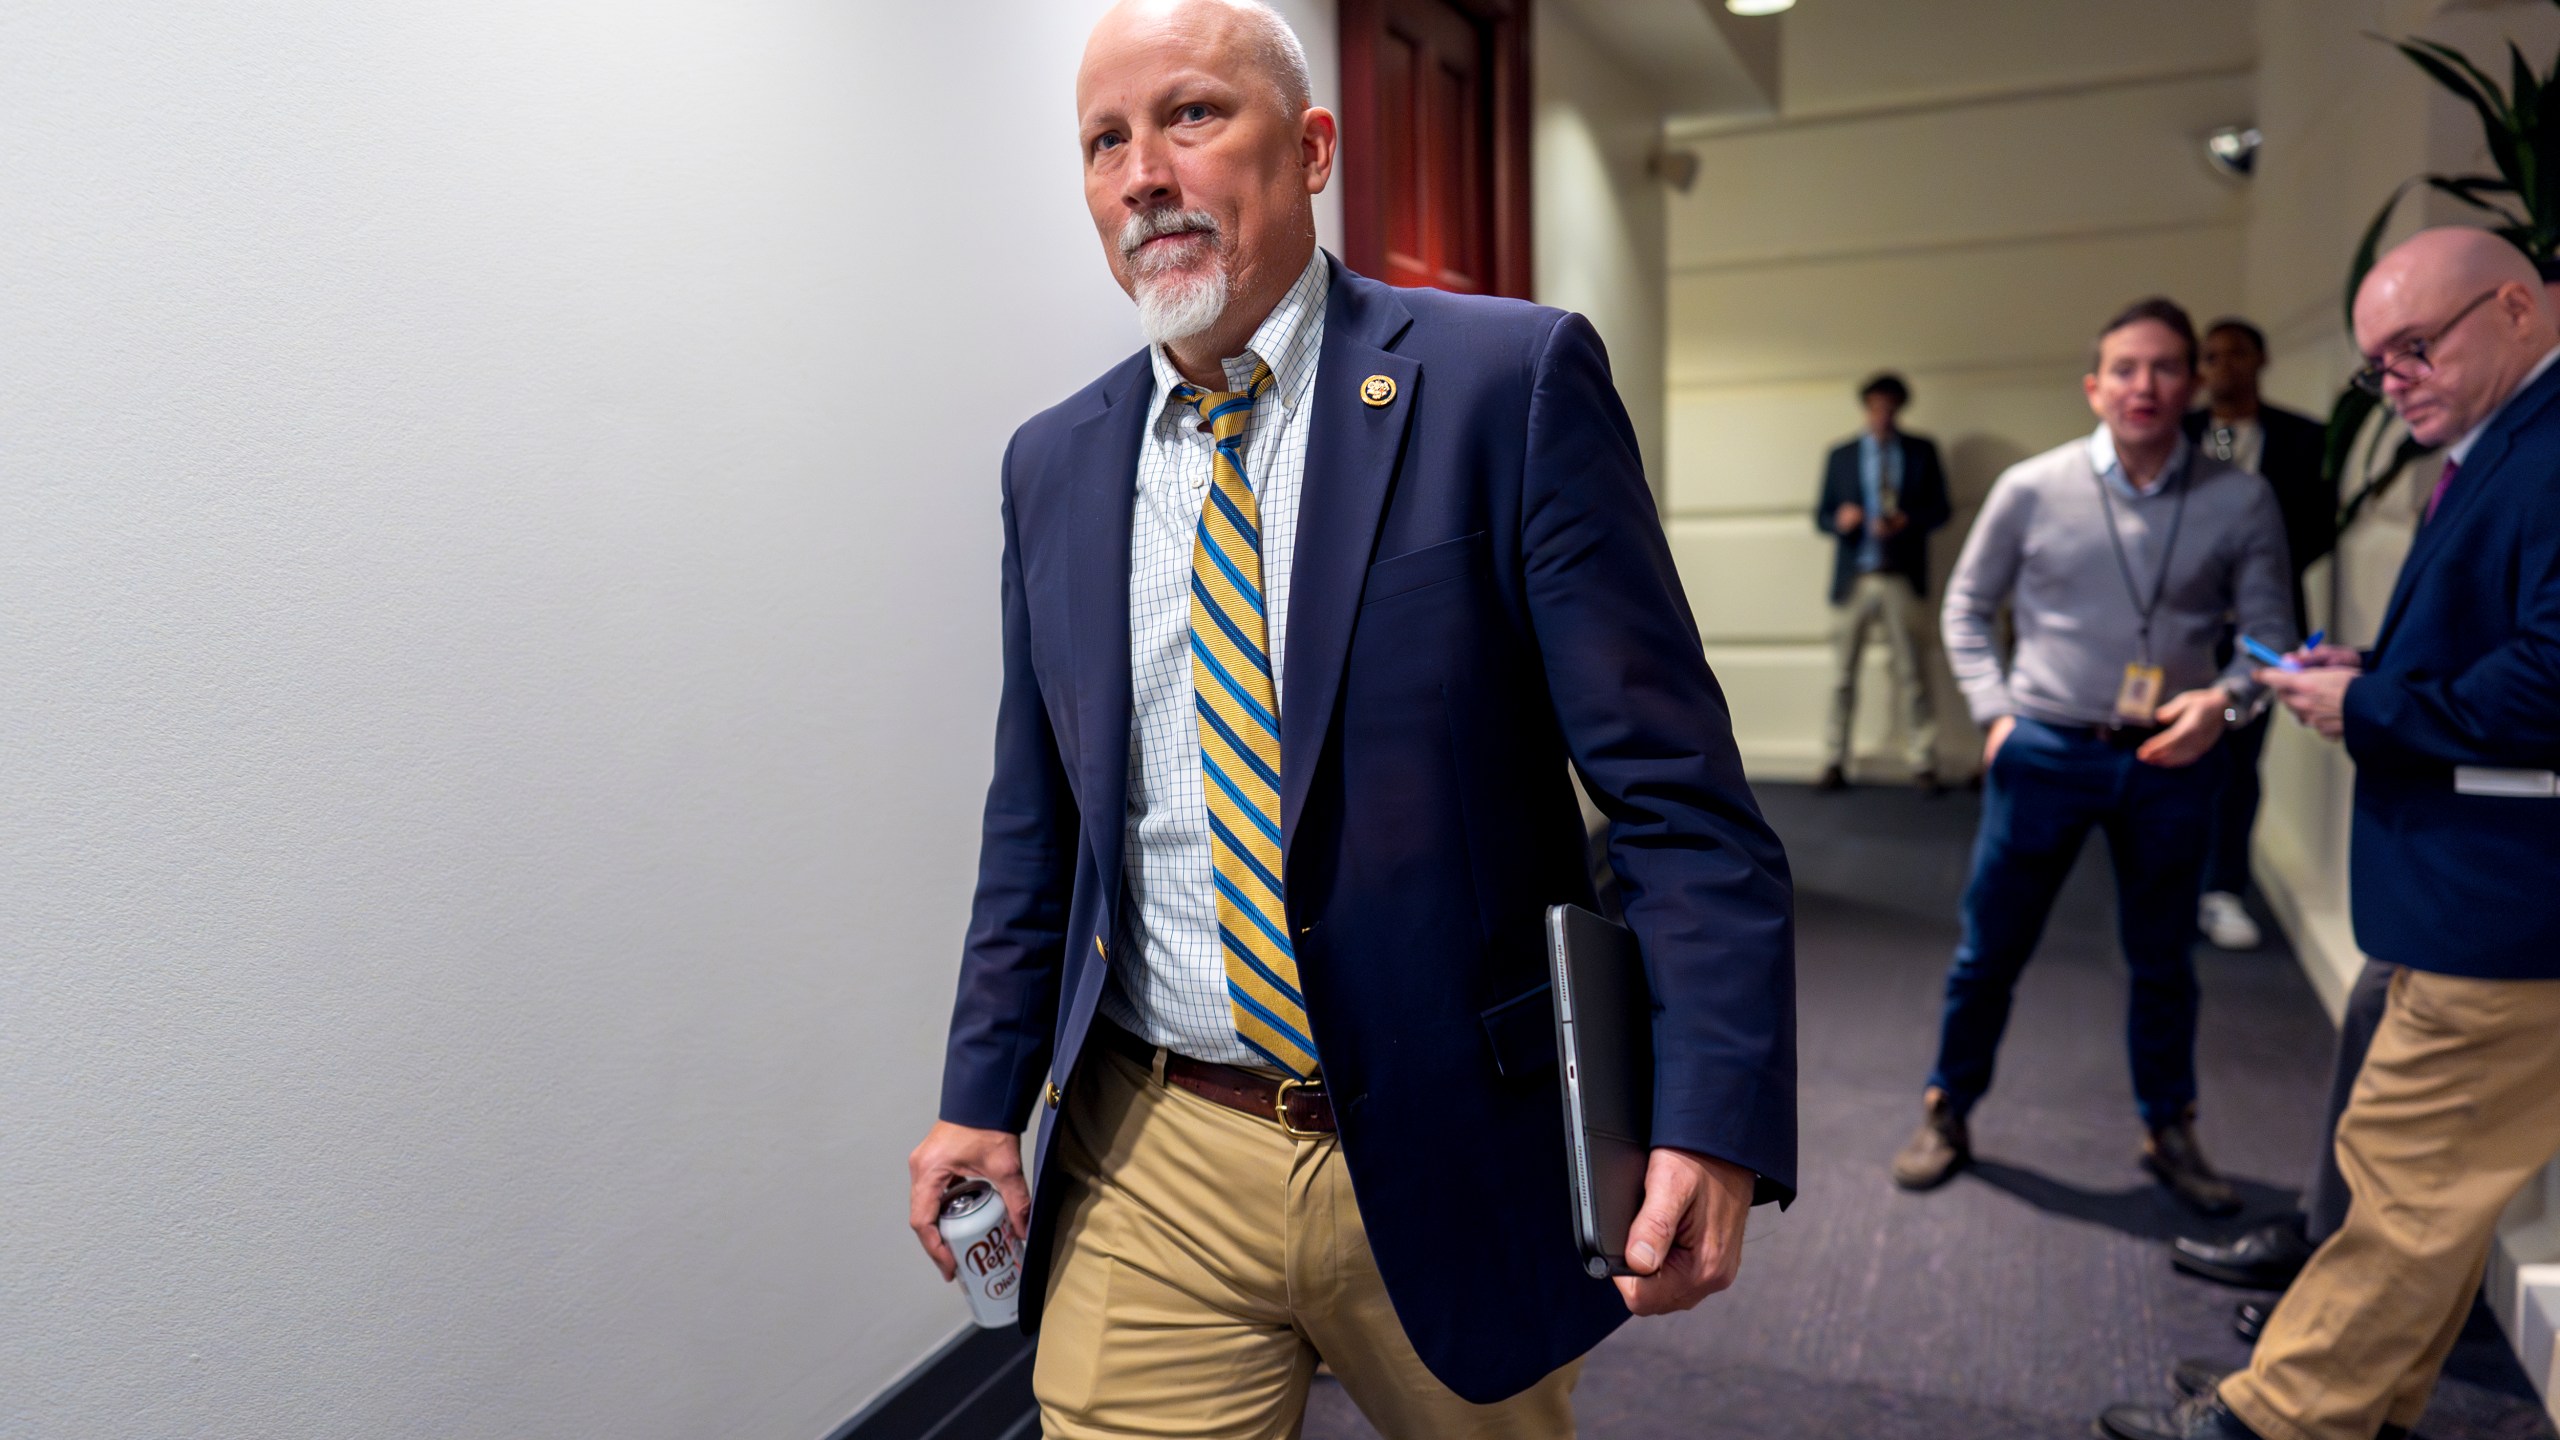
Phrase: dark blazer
(2466, 671)
(1481, 594)
(2290, 462)
(1924, 499)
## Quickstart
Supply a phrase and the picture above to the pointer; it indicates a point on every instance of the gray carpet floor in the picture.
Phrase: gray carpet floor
(2022, 1298)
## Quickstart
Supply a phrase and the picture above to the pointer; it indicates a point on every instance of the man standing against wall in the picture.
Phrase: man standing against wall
(1882, 495)
(2236, 426)
(2453, 719)
(1308, 607)
(2119, 555)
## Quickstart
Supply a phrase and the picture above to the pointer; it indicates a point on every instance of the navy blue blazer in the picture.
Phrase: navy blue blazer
(1924, 499)
(1481, 597)
(2466, 671)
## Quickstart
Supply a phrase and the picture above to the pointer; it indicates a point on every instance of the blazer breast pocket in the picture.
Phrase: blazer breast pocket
(1415, 569)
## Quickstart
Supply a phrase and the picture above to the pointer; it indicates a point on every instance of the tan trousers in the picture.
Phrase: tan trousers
(1890, 605)
(1205, 1261)
(2457, 1107)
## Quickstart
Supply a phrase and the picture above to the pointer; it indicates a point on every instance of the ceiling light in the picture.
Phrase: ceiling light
(1758, 7)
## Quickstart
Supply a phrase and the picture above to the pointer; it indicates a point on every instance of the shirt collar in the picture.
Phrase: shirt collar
(2461, 449)
(1289, 340)
(2102, 458)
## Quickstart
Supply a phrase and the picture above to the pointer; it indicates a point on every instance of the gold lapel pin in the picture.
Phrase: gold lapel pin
(1378, 390)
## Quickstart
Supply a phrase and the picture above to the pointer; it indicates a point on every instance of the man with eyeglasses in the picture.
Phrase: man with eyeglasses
(2118, 555)
(2453, 720)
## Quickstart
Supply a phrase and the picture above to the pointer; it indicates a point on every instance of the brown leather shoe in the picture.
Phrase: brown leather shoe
(2174, 1158)
(1938, 1149)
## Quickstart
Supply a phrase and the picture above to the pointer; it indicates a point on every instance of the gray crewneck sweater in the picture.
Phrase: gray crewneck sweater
(2041, 545)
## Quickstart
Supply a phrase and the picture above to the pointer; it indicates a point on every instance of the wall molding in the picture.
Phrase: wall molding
(976, 1387)
(1704, 130)
(1961, 245)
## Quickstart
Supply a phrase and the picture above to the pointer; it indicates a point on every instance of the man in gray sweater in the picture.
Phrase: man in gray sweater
(2119, 555)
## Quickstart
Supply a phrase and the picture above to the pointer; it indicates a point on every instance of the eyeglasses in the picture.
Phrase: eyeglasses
(2409, 362)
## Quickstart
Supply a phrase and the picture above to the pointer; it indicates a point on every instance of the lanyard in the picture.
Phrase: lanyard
(2168, 552)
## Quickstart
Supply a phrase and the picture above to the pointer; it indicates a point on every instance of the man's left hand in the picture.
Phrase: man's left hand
(2195, 723)
(2317, 698)
(1687, 1241)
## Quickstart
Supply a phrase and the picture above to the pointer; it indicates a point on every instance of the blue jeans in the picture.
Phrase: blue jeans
(2047, 789)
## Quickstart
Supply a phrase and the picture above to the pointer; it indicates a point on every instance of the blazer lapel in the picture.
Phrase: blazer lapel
(1102, 456)
(1352, 450)
(2479, 472)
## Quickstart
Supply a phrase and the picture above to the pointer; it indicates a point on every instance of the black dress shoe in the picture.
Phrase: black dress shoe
(2249, 1318)
(1927, 783)
(2174, 1157)
(2266, 1258)
(2191, 1378)
(1832, 779)
(2198, 1417)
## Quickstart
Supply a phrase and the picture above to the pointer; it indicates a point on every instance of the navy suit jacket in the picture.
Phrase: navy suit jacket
(1481, 597)
(2466, 671)
(1924, 499)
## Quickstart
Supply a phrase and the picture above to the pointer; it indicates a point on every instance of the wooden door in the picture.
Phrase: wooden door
(1435, 143)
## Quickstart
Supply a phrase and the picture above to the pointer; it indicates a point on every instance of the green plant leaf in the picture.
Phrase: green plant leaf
(2407, 453)
(2369, 249)
(2346, 421)
(2454, 71)
(2480, 89)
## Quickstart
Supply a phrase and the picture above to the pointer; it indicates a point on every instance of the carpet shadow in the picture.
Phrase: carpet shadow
(2144, 1211)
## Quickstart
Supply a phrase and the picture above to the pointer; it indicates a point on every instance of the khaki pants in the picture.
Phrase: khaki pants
(2457, 1107)
(1888, 603)
(1205, 1260)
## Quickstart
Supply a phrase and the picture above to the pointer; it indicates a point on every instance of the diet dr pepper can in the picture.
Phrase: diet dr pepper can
(973, 1226)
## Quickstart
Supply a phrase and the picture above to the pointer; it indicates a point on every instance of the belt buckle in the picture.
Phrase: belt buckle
(1280, 1107)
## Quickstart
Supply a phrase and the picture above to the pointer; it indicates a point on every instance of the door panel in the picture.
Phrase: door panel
(1435, 155)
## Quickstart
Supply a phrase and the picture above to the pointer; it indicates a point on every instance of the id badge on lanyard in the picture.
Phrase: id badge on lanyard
(2138, 698)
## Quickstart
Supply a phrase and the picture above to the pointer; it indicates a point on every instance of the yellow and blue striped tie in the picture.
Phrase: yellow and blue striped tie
(1239, 713)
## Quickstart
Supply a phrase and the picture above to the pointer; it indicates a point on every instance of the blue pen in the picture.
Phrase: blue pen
(2316, 637)
(2264, 656)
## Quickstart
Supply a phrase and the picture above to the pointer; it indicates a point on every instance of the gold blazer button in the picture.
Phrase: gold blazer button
(1056, 1095)
(1378, 390)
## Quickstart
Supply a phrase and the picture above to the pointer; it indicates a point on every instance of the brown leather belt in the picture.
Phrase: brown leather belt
(1298, 1106)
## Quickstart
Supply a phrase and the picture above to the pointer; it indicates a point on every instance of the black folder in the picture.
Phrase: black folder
(1604, 1042)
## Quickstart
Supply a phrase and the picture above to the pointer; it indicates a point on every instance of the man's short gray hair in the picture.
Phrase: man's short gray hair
(1277, 51)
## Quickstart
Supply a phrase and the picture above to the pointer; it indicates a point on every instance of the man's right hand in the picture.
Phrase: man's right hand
(1999, 735)
(956, 1152)
(1848, 519)
(2329, 657)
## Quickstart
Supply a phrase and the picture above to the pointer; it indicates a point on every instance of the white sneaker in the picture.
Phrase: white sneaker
(2225, 921)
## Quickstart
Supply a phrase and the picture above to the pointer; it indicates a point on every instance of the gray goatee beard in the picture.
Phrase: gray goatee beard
(1174, 304)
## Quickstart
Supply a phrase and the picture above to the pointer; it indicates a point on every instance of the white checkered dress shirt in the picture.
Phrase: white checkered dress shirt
(1169, 973)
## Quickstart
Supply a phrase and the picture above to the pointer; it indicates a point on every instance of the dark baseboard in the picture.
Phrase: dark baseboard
(977, 1387)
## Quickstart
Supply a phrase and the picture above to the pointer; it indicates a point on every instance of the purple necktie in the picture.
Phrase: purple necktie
(2451, 468)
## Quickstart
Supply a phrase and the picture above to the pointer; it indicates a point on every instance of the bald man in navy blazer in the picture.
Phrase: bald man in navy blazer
(1479, 604)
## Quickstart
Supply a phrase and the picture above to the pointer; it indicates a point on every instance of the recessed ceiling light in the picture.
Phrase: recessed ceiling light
(1758, 7)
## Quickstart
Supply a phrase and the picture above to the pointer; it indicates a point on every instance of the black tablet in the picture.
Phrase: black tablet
(1604, 1042)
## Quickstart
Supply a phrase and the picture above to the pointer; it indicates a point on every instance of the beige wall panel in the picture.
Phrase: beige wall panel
(2040, 165)
(1781, 694)
(1598, 226)
(1778, 693)
(1759, 449)
(1841, 54)
(1758, 579)
(2003, 305)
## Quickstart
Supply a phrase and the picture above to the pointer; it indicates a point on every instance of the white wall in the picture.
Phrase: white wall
(497, 624)
(1961, 192)
(1597, 217)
